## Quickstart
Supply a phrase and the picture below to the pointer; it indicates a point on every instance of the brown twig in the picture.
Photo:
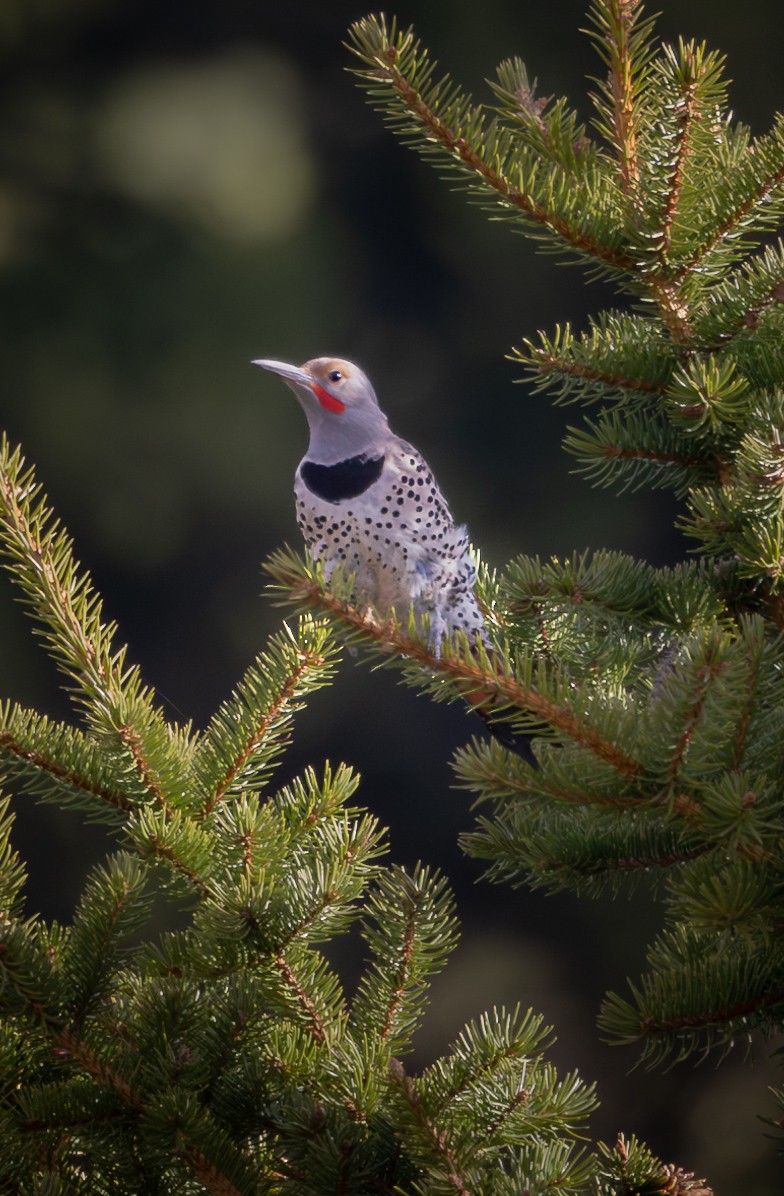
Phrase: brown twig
(758, 196)
(273, 712)
(549, 364)
(713, 1017)
(639, 454)
(491, 175)
(303, 997)
(673, 309)
(480, 687)
(621, 86)
(163, 852)
(402, 975)
(437, 1140)
(66, 775)
(135, 745)
(682, 139)
(705, 676)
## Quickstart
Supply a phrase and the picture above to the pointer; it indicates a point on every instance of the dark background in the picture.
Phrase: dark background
(185, 187)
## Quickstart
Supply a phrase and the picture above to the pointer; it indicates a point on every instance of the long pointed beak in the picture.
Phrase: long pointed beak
(292, 372)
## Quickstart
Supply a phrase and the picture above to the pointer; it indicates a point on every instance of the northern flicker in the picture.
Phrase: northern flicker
(368, 502)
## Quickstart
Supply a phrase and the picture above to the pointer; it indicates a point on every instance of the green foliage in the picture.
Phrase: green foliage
(672, 202)
(227, 1056)
(654, 695)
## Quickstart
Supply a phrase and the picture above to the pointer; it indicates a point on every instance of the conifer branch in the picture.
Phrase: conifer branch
(562, 794)
(649, 454)
(40, 560)
(402, 974)
(208, 1173)
(504, 1038)
(38, 550)
(739, 303)
(308, 664)
(287, 974)
(681, 150)
(383, 52)
(703, 680)
(247, 734)
(651, 1026)
(135, 745)
(548, 364)
(160, 847)
(485, 768)
(646, 863)
(409, 927)
(673, 308)
(754, 661)
(66, 775)
(70, 1044)
(327, 898)
(267, 720)
(734, 222)
(688, 110)
(549, 128)
(203, 1168)
(36, 1125)
(483, 687)
(618, 40)
(435, 1138)
(621, 359)
(751, 315)
(78, 1049)
(638, 445)
(518, 1100)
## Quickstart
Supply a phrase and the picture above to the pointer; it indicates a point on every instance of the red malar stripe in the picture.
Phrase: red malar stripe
(327, 400)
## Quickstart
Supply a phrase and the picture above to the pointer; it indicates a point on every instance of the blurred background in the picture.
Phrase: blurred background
(185, 187)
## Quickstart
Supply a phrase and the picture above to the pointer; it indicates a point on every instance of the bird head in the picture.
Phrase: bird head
(340, 404)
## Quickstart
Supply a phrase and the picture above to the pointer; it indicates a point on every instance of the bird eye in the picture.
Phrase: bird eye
(335, 376)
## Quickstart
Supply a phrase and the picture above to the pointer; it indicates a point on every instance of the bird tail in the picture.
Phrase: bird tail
(507, 737)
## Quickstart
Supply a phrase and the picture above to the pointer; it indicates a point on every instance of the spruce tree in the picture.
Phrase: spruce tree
(227, 1056)
(652, 694)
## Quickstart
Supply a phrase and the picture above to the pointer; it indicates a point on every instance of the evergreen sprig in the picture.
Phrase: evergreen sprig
(672, 200)
(276, 685)
(495, 163)
(228, 1056)
(664, 735)
(655, 694)
(69, 618)
(702, 990)
(664, 731)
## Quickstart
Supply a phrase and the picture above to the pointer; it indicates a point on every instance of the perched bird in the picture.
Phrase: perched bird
(368, 502)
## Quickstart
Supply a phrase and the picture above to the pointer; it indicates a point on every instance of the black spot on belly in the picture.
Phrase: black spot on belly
(347, 479)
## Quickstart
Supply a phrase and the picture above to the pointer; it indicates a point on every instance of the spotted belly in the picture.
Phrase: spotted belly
(398, 539)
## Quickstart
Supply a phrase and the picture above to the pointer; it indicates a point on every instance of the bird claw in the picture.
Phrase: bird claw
(437, 631)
